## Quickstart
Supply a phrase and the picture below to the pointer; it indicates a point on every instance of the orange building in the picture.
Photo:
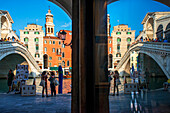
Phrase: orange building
(56, 51)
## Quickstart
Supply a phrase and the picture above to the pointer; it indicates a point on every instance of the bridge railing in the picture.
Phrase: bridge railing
(157, 46)
(20, 47)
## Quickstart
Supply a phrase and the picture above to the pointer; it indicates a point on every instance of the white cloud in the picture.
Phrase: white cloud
(66, 24)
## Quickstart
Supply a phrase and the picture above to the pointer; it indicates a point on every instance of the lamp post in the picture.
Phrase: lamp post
(63, 37)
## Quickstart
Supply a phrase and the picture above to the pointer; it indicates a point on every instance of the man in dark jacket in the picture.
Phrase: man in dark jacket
(10, 78)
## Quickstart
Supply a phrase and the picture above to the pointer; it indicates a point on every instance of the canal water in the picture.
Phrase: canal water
(155, 83)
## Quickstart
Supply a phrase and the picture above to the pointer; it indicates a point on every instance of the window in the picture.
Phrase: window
(51, 30)
(45, 49)
(26, 32)
(36, 32)
(128, 46)
(59, 58)
(128, 33)
(53, 49)
(128, 39)
(67, 63)
(59, 42)
(118, 33)
(50, 58)
(63, 54)
(118, 47)
(110, 49)
(48, 30)
(110, 41)
(45, 41)
(132, 58)
(53, 42)
(118, 39)
(36, 39)
(63, 63)
(50, 64)
(50, 42)
(26, 39)
(63, 46)
(37, 48)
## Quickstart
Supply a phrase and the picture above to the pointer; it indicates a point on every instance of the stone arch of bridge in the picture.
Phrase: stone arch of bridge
(32, 70)
(5, 22)
(157, 61)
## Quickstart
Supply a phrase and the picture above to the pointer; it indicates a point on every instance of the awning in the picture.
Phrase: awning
(54, 68)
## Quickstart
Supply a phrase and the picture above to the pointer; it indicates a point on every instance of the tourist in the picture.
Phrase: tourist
(10, 78)
(44, 83)
(147, 76)
(110, 79)
(116, 82)
(52, 83)
(166, 84)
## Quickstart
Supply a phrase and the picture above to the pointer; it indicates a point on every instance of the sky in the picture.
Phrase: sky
(129, 12)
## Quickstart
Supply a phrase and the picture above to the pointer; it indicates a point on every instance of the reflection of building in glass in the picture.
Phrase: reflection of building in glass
(122, 38)
(32, 37)
(55, 51)
(156, 25)
(134, 60)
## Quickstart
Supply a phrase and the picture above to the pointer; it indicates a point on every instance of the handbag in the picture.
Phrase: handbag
(56, 82)
(42, 83)
(118, 82)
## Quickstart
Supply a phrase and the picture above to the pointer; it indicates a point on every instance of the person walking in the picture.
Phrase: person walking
(110, 79)
(116, 82)
(44, 82)
(10, 78)
(52, 83)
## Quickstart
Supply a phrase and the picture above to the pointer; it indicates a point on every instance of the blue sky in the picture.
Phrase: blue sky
(132, 12)
(129, 12)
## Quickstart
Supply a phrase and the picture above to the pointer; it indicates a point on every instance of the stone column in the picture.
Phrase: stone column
(90, 59)
(154, 27)
(141, 60)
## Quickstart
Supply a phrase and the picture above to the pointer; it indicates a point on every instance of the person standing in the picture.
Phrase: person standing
(44, 80)
(52, 84)
(110, 79)
(116, 80)
(10, 78)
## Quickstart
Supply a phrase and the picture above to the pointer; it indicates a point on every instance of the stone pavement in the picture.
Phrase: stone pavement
(14, 103)
(144, 102)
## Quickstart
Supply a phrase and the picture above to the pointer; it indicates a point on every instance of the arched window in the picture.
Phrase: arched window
(48, 30)
(68, 63)
(110, 60)
(167, 33)
(159, 32)
(26, 39)
(63, 63)
(45, 57)
(128, 39)
(51, 30)
(36, 39)
(118, 39)
(63, 54)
